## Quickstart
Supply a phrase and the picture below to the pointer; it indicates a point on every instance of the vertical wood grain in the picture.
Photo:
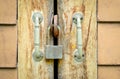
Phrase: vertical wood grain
(68, 67)
(27, 67)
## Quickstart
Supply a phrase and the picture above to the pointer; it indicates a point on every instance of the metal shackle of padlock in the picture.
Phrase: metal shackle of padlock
(51, 51)
(54, 51)
(54, 29)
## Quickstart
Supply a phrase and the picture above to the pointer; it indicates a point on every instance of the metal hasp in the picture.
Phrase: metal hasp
(37, 19)
(78, 53)
(53, 52)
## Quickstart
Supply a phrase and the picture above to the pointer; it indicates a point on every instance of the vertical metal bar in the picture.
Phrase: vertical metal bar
(37, 19)
(79, 37)
(36, 35)
(77, 19)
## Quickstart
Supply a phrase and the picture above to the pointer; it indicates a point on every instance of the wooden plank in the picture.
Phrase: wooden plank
(68, 67)
(8, 73)
(108, 10)
(108, 43)
(27, 67)
(109, 72)
(8, 9)
(8, 46)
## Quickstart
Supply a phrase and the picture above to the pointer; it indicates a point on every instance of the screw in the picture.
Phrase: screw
(77, 57)
(77, 15)
(37, 18)
(37, 55)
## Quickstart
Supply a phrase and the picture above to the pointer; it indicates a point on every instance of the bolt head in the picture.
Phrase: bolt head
(37, 15)
(77, 57)
(77, 15)
(37, 55)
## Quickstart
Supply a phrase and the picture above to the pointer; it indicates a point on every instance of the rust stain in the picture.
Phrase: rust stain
(36, 4)
(65, 15)
(78, 8)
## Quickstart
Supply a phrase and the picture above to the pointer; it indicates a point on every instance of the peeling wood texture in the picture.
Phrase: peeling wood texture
(108, 44)
(8, 9)
(27, 67)
(68, 67)
(8, 46)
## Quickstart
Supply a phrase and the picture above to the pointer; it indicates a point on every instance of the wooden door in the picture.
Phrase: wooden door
(27, 67)
(67, 67)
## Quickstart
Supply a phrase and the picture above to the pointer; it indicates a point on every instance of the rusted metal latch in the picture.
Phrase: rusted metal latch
(51, 51)
(54, 51)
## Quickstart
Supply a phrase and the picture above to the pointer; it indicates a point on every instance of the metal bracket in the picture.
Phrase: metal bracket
(37, 19)
(78, 53)
(53, 52)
